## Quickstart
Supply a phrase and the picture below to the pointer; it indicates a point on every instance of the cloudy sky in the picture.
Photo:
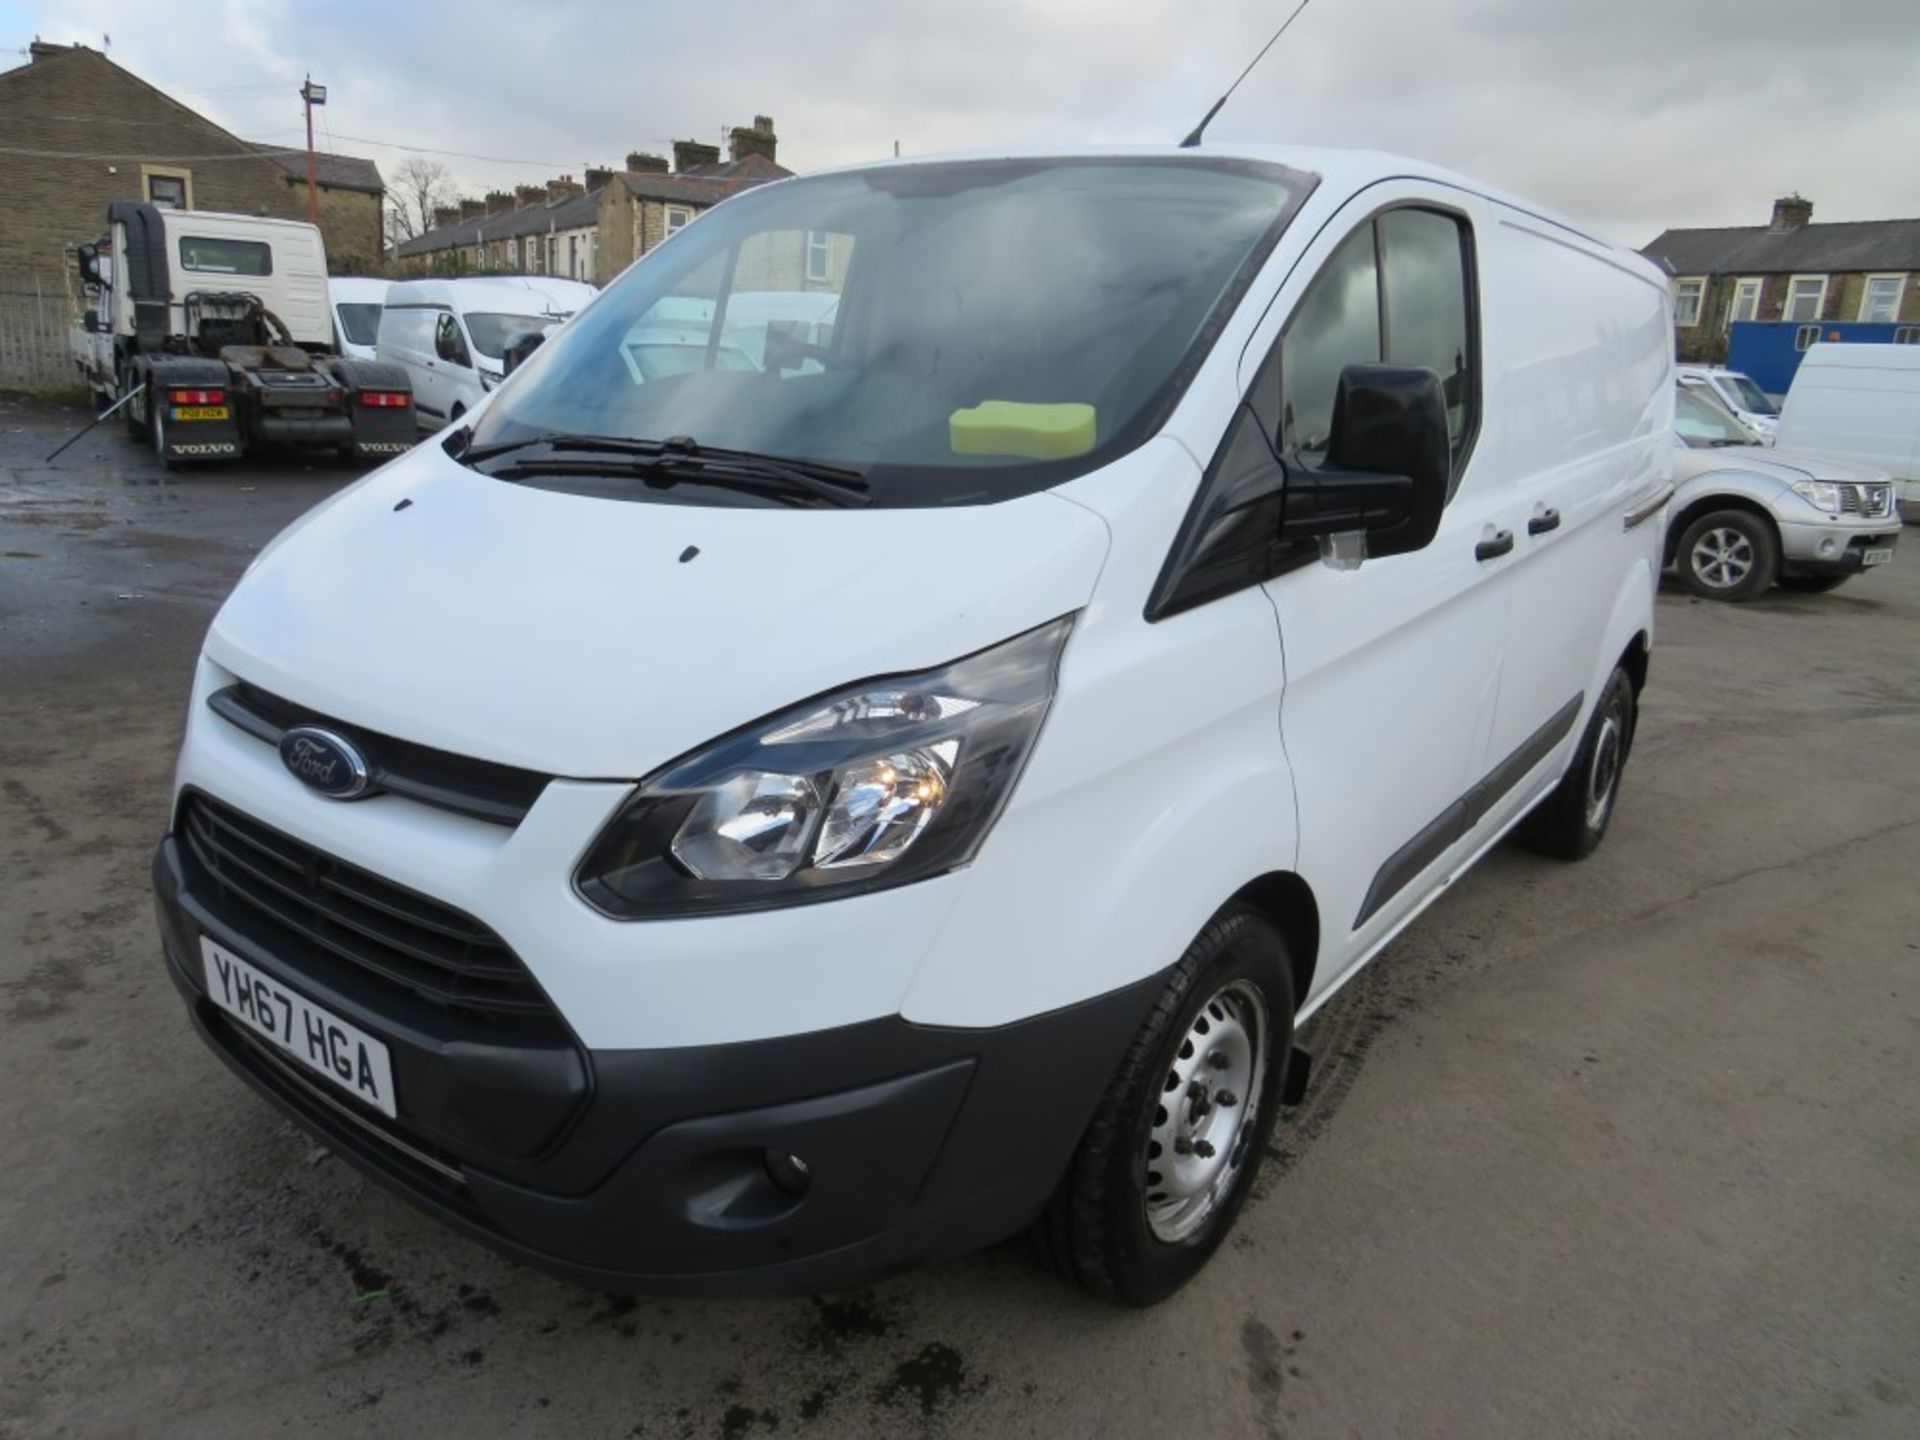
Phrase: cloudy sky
(1628, 114)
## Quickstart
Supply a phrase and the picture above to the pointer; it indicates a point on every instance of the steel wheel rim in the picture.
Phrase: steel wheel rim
(1722, 557)
(1603, 772)
(1201, 1123)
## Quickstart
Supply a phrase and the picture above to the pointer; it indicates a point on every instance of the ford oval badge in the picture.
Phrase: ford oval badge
(323, 761)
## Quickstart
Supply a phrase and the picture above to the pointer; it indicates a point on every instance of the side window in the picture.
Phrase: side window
(1396, 291)
(1336, 324)
(448, 342)
(1423, 267)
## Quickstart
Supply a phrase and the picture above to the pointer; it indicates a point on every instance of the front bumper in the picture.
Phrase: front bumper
(646, 1170)
(1838, 548)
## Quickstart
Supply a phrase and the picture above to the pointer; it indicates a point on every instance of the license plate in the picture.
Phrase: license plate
(199, 412)
(323, 1042)
(1876, 557)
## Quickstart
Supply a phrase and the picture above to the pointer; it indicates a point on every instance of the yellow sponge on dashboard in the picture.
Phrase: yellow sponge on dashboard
(1012, 427)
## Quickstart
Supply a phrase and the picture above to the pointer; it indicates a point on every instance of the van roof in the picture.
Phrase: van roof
(1848, 355)
(506, 296)
(356, 289)
(1347, 170)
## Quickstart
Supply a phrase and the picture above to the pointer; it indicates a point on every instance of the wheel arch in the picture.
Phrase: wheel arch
(1706, 505)
(1287, 903)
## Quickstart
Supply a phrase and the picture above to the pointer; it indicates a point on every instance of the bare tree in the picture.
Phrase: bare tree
(418, 187)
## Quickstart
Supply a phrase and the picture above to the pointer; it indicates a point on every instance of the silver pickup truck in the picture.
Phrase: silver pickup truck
(1746, 516)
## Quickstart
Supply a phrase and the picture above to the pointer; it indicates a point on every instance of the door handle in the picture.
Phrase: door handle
(1543, 522)
(1494, 546)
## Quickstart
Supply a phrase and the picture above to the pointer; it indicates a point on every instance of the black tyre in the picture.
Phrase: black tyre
(1728, 555)
(1167, 1160)
(157, 427)
(1813, 584)
(1571, 822)
(134, 413)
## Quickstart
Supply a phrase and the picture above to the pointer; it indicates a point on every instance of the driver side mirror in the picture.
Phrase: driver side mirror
(90, 265)
(1389, 463)
(521, 350)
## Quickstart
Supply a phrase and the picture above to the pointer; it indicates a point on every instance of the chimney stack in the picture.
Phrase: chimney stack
(690, 154)
(525, 195)
(646, 164)
(598, 176)
(497, 201)
(41, 50)
(755, 140)
(472, 209)
(1790, 212)
(445, 215)
(562, 187)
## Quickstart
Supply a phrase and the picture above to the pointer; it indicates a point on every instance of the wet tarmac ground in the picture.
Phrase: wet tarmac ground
(1624, 1148)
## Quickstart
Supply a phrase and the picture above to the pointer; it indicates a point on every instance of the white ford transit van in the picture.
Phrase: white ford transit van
(355, 302)
(451, 337)
(838, 801)
(1860, 404)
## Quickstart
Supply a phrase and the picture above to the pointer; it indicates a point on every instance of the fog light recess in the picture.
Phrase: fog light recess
(789, 1172)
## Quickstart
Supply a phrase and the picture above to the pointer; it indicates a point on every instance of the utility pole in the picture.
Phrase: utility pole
(313, 95)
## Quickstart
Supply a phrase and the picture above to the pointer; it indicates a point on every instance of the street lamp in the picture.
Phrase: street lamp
(313, 95)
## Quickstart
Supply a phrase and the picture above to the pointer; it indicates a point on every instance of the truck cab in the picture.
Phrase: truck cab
(215, 331)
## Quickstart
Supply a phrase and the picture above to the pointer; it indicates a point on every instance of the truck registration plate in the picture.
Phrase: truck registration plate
(1876, 557)
(199, 412)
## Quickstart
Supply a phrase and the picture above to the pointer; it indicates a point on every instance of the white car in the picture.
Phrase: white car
(1738, 393)
(355, 302)
(1746, 515)
(743, 827)
(451, 336)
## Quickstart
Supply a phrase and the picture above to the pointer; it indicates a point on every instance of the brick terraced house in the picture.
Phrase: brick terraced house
(1788, 269)
(592, 232)
(77, 131)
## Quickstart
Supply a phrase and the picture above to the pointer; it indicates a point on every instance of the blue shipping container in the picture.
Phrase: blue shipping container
(1770, 350)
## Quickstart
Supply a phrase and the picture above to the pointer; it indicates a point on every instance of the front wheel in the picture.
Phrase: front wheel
(1571, 822)
(1168, 1158)
(1728, 555)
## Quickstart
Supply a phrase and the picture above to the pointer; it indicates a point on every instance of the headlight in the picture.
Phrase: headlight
(1821, 494)
(880, 784)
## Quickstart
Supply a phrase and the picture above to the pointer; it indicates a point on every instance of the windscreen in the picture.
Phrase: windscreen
(359, 323)
(1704, 424)
(492, 333)
(1751, 397)
(957, 332)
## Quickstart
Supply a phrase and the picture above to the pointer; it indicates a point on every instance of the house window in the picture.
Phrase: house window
(553, 254)
(1880, 300)
(513, 253)
(1687, 295)
(819, 256)
(1806, 297)
(1746, 301)
(167, 189)
(678, 218)
(573, 256)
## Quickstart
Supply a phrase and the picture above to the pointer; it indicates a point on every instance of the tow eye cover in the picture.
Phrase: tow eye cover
(324, 761)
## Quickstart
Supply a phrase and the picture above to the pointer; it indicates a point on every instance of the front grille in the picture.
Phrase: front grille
(499, 793)
(1873, 502)
(347, 914)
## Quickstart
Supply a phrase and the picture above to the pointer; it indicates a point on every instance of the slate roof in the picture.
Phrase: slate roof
(577, 212)
(1824, 249)
(340, 172)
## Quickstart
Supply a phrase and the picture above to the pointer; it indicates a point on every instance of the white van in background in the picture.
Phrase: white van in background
(355, 302)
(1861, 404)
(451, 336)
(867, 786)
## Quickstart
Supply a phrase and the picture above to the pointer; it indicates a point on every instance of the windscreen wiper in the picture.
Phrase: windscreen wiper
(776, 481)
(678, 457)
